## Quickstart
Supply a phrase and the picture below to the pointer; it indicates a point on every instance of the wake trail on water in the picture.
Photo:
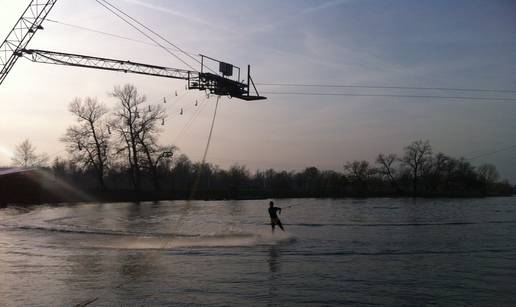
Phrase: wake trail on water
(204, 240)
(139, 240)
(395, 224)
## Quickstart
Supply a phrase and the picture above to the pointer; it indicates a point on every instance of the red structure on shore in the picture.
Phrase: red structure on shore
(20, 185)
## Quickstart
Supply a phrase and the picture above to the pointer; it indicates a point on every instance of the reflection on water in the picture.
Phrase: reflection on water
(274, 274)
(355, 252)
(273, 260)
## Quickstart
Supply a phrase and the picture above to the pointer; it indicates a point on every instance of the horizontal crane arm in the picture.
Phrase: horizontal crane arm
(78, 60)
(215, 84)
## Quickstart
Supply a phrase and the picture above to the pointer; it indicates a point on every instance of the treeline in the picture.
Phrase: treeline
(117, 153)
(417, 173)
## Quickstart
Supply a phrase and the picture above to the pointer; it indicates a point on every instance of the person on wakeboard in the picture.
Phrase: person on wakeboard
(273, 212)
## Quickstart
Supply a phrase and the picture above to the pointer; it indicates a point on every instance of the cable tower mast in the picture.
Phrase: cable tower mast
(21, 34)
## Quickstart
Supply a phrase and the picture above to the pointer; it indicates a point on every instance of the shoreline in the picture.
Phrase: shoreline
(146, 197)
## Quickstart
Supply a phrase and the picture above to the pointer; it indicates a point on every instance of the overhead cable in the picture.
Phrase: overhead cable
(145, 34)
(500, 99)
(107, 34)
(386, 87)
(493, 152)
(155, 33)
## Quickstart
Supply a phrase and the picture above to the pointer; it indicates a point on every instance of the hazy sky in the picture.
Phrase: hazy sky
(453, 44)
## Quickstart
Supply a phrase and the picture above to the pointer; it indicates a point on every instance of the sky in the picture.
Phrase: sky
(446, 44)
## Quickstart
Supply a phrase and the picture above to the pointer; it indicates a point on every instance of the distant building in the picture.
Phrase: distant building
(19, 185)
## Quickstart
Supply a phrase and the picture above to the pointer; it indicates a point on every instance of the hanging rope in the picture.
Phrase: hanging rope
(195, 115)
(198, 177)
(211, 131)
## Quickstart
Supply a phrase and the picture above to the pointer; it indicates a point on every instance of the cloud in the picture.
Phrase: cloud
(172, 12)
(323, 6)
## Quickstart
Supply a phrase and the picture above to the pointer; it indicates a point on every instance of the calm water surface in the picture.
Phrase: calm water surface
(387, 252)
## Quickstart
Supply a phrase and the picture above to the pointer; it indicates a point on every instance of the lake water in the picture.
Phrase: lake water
(357, 252)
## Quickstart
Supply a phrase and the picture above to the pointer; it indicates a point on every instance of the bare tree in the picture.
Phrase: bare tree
(387, 169)
(416, 156)
(153, 156)
(137, 126)
(87, 142)
(437, 169)
(488, 174)
(25, 155)
(360, 171)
